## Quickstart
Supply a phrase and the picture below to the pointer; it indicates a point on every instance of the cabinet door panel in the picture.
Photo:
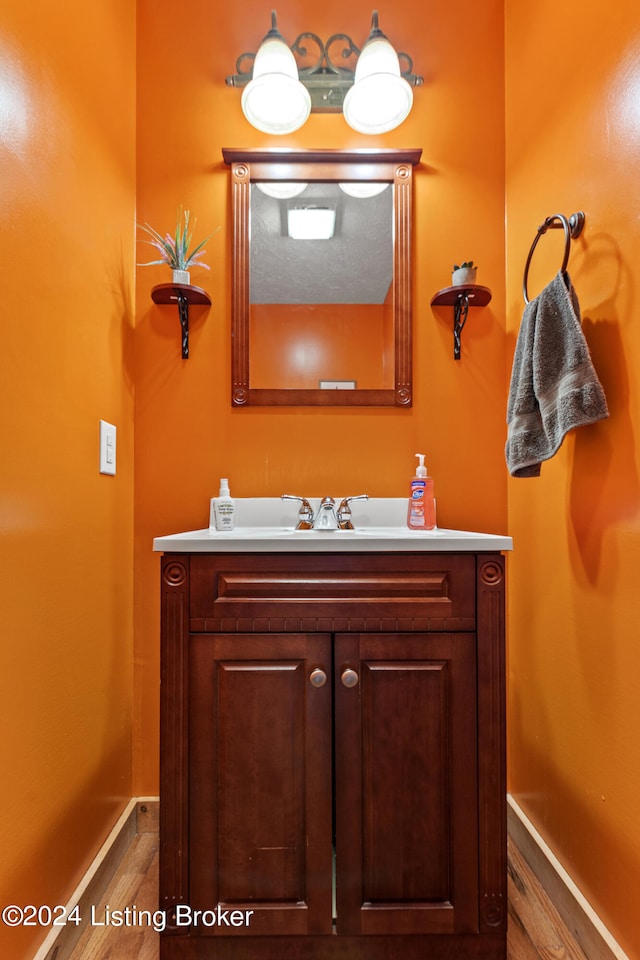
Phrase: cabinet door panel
(406, 775)
(260, 791)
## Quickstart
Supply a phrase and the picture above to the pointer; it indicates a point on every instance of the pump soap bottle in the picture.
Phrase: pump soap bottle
(224, 507)
(421, 511)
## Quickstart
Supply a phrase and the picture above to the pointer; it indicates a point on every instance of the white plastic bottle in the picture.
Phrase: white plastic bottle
(421, 509)
(224, 507)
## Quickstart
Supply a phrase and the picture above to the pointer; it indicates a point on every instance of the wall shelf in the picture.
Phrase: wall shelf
(181, 294)
(461, 298)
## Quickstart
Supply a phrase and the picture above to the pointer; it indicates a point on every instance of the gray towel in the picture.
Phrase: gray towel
(554, 386)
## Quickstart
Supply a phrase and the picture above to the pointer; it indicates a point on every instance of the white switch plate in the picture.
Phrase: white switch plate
(107, 448)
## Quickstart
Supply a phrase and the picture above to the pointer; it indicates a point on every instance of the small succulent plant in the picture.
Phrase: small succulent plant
(467, 263)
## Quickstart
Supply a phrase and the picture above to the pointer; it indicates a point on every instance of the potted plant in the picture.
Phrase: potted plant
(464, 274)
(174, 250)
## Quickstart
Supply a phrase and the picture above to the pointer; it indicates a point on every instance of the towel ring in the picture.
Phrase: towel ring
(572, 229)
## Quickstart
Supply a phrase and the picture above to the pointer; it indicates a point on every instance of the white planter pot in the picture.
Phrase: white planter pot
(180, 276)
(463, 276)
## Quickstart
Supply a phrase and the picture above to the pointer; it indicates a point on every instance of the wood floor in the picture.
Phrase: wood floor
(535, 930)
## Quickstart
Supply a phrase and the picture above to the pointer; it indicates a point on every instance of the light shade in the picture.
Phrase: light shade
(363, 189)
(280, 190)
(275, 101)
(380, 98)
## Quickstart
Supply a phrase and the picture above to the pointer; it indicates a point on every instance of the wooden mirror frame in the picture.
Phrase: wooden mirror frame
(396, 166)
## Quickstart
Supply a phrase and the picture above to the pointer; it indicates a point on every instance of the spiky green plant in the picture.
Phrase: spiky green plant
(174, 251)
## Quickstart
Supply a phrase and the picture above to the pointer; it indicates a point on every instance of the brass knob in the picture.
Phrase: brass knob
(349, 677)
(317, 677)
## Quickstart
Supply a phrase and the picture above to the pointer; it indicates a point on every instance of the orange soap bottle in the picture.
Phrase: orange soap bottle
(421, 510)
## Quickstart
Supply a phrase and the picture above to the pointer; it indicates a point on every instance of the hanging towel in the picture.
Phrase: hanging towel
(554, 386)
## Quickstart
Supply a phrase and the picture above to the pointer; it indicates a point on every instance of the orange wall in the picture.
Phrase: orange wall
(187, 434)
(297, 345)
(573, 133)
(67, 148)
(67, 180)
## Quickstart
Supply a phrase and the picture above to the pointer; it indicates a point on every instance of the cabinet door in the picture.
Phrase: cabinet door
(260, 782)
(406, 783)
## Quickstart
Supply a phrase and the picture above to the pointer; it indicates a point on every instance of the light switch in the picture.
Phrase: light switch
(107, 448)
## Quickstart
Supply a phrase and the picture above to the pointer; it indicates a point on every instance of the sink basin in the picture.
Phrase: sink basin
(267, 525)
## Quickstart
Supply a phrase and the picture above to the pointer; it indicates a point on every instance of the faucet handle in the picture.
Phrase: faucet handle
(305, 513)
(344, 511)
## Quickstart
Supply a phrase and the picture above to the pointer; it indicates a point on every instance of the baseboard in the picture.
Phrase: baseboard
(139, 816)
(576, 912)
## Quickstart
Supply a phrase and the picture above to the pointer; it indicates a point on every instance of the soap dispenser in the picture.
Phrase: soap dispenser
(421, 510)
(224, 507)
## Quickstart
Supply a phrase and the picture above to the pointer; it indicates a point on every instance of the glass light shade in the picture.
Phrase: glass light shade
(280, 190)
(275, 101)
(363, 190)
(380, 98)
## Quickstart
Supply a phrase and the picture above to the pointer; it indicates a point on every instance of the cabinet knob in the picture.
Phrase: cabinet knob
(317, 677)
(349, 677)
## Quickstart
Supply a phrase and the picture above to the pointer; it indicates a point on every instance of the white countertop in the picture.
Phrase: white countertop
(267, 525)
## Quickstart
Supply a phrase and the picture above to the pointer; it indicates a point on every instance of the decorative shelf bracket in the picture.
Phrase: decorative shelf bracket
(461, 298)
(183, 313)
(183, 294)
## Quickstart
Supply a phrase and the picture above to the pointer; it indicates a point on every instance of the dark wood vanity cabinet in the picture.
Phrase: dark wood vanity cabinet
(332, 756)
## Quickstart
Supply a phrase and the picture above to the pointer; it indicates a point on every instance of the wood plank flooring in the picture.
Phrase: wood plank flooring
(535, 930)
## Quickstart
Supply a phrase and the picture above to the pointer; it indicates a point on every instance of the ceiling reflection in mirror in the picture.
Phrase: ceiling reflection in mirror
(355, 265)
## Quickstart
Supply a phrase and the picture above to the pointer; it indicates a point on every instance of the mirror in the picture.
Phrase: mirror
(321, 310)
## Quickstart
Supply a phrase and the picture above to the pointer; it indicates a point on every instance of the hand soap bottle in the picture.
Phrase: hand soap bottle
(421, 511)
(224, 508)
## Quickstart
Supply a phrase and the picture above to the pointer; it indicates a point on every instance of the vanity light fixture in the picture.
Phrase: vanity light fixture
(279, 91)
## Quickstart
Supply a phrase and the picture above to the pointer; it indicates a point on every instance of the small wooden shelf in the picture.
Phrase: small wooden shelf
(461, 298)
(181, 294)
(449, 296)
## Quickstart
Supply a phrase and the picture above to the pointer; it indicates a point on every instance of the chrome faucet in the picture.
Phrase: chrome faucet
(327, 517)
